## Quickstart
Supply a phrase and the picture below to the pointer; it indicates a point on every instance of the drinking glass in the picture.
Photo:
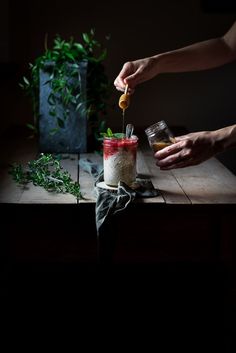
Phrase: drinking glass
(119, 157)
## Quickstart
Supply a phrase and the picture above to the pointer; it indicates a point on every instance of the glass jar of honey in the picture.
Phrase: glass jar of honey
(159, 136)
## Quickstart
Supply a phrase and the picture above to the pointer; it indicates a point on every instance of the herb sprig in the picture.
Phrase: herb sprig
(46, 172)
(109, 133)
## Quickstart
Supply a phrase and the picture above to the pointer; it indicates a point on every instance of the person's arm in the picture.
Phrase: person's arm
(199, 56)
(196, 147)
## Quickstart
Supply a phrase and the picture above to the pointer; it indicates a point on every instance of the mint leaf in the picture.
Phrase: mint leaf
(119, 135)
(109, 133)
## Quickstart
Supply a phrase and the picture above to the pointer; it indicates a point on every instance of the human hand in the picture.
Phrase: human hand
(189, 150)
(135, 72)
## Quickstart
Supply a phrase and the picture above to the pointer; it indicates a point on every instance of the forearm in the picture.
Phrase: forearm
(225, 138)
(199, 56)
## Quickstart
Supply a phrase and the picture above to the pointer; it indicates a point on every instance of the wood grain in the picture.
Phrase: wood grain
(144, 171)
(14, 151)
(208, 183)
(165, 181)
(86, 180)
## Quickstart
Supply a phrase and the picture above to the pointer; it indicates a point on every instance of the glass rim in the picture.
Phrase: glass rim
(157, 124)
(133, 137)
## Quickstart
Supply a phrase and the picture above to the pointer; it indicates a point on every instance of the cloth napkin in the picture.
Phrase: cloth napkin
(109, 202)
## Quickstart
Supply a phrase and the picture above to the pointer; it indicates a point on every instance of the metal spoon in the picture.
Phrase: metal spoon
(129, 130)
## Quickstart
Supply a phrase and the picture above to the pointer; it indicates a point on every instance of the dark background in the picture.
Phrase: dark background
(198, 101)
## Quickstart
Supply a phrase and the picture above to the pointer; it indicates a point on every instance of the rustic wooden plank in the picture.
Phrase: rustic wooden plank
(17, 152)
(208, 183)
(86, 180)
(166, 182)
(37, 195)
(10, 192)
(144, 172)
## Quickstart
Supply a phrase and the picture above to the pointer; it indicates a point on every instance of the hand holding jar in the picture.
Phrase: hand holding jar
(159, 136)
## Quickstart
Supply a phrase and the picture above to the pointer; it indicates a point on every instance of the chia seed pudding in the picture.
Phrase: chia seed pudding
(119, 156)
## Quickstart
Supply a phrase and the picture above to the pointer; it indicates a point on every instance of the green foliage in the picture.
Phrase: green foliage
(46, 172)
(109, 133)
(65, 56)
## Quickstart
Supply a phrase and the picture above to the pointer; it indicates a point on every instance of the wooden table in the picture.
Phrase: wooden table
(174, 252)
(207, 183)
(193, 218)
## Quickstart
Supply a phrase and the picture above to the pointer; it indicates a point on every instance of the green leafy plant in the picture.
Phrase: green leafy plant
(46, 172)
(65, 56)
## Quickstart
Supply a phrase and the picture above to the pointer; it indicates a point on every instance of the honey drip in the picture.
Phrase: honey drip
(123, 104)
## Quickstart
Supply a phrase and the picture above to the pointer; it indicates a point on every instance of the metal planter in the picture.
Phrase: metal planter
(72, 138)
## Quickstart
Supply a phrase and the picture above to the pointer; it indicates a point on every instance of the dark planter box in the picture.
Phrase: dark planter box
(73, 137)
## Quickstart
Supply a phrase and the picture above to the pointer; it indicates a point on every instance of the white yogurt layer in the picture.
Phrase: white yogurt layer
(121, 166)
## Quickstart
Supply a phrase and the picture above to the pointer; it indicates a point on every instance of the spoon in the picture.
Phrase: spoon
(129, 130)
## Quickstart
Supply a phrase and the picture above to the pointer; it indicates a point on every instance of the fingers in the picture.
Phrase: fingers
(181, 164)
(120, 80)
(178, 160)
(135, 78)
(129, 75)
(184, 137)
(119, 84)
(180, 138)
(170, 150)
(169, 160)
(178, 155)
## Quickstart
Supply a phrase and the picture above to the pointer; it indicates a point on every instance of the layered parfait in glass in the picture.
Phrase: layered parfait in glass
(119, 156)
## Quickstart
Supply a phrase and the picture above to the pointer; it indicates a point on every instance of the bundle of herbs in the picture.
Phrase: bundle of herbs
(47, 172)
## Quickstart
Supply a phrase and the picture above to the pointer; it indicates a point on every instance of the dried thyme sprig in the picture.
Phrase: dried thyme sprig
(46, 172)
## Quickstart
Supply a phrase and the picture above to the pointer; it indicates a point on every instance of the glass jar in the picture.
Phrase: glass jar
(159, 136)
(119, 158)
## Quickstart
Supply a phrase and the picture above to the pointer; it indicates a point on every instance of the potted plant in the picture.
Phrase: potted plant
(69, 90)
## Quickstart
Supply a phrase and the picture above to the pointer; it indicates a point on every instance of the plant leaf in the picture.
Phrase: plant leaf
(70, 56)
(26, 81)
(80, 105)
(80, 48)
(32, 127)
(109, 132)
(52, 113)
(119, 135)
(54, 131)
(60, 122)
(86, 38)
(103, 55)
